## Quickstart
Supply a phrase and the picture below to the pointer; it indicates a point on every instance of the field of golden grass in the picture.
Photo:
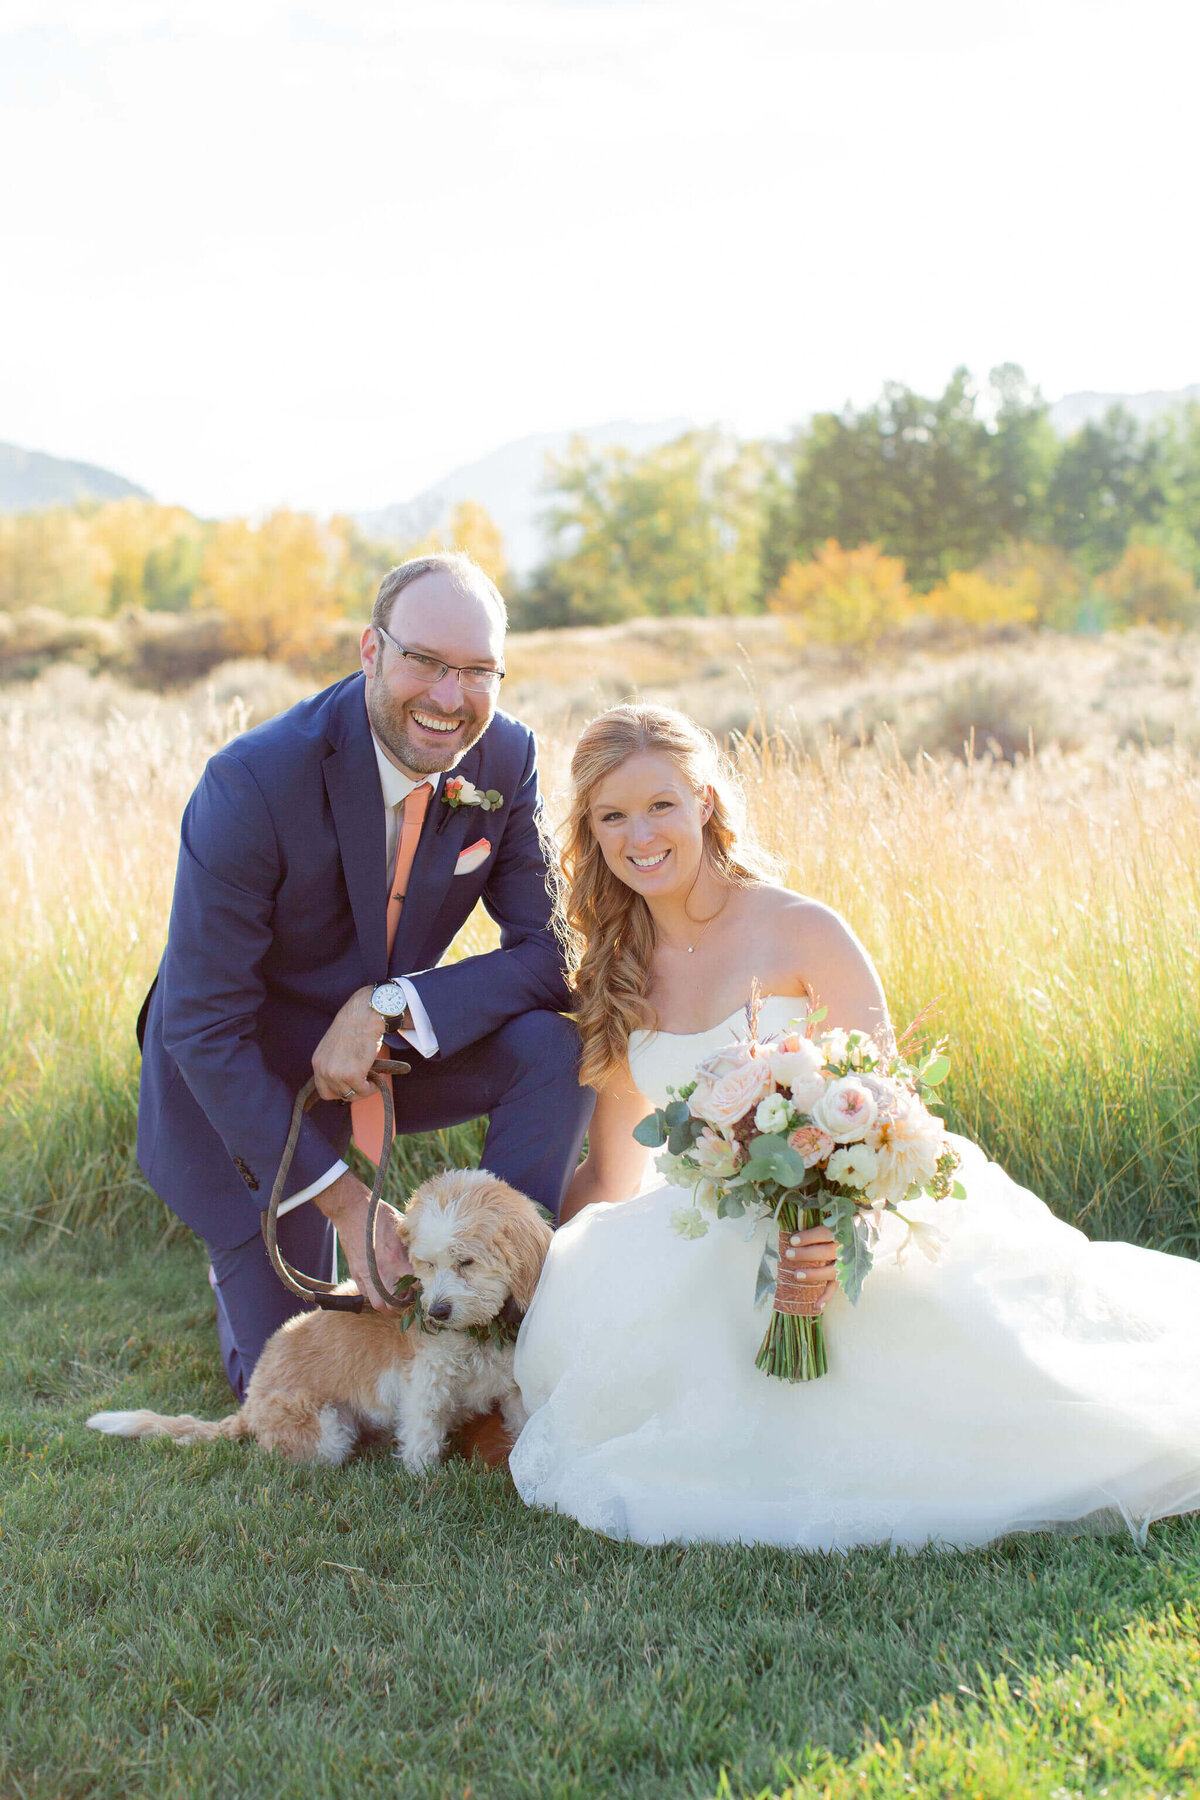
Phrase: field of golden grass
(1047, 906)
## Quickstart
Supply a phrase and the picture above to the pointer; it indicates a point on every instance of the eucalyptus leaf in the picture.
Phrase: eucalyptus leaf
(729, 1206)
(765, 1284)
(677, 1113)
(652, 1131)
(679, 1139)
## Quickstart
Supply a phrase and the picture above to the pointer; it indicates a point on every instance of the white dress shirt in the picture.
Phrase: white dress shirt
(395, 786)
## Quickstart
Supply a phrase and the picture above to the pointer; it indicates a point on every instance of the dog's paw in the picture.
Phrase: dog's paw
(419, 1458)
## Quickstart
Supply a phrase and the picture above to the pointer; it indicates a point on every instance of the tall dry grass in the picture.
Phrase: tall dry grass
(1050, 909)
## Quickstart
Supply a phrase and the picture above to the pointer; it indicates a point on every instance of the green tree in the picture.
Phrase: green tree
(1109, 480)
(938, 482)
(678, 530)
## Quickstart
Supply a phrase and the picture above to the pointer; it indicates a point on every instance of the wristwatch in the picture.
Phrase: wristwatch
(389, 1002)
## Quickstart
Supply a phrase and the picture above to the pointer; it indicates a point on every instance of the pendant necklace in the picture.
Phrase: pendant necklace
(690, 947)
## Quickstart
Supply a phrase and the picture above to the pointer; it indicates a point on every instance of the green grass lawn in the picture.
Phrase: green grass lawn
(213, 1622)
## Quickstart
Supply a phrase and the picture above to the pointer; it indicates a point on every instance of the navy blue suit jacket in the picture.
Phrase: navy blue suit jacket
(279, 915)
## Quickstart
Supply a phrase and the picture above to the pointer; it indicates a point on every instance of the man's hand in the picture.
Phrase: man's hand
(344, 1203)
(342, 1060)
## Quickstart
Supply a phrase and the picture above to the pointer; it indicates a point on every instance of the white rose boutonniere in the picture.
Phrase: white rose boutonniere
(458, 791)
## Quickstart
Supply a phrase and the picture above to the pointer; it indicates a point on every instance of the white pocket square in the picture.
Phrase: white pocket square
(473, 857)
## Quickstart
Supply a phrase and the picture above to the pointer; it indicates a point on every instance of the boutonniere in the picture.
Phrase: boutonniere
(458, 791)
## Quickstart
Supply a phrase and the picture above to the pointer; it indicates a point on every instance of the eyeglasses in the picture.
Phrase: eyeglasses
(429, 670)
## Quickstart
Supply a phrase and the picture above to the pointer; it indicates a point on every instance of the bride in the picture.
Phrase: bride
(1027, 1379)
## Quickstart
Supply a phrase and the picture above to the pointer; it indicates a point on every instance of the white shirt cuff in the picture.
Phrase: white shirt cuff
(314, 1187)
(422, 1037)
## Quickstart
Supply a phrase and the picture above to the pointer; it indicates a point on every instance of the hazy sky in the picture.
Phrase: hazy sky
(321, 254)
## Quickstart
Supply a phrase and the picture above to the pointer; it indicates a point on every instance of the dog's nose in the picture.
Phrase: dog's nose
(440, 1310)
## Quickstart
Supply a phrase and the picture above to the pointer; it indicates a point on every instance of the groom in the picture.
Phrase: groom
(327, 860)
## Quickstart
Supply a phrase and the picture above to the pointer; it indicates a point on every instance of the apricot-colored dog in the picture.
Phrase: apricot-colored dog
(325, 1379)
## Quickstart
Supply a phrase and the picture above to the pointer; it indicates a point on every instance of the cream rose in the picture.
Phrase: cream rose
(846, 1110)
(734, 1095)
(712, 1069)
(797, 1069)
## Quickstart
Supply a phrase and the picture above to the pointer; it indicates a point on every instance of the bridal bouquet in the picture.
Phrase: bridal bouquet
(806, 1130)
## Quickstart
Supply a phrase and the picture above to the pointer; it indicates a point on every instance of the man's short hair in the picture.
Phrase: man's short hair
(463, 571)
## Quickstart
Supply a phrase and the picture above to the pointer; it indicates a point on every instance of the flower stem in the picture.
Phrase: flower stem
(794, 1348)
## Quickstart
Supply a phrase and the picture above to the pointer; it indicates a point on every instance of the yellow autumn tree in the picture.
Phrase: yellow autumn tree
(844, 596)
(277, 583)
(470, 527)
(53, 559)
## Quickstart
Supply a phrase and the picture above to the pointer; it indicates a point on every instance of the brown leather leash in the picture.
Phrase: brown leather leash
(323, 1293)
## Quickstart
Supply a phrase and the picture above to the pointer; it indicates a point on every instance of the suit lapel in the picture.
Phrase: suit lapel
(433, 866)
(352, 783)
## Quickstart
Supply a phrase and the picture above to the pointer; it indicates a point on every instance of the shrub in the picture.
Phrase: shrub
(1148, 588)
(968, 597)
(849, 597)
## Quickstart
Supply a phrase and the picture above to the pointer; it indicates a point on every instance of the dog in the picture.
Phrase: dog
(327, 1379)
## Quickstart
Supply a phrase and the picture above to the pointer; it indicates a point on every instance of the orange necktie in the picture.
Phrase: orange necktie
(367, 1114)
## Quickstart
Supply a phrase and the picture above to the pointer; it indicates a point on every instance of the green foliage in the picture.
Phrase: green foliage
(937, 482)
(674, 531)
(1108, 480)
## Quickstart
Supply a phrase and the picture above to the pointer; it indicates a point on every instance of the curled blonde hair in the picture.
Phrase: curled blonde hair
(610, 932)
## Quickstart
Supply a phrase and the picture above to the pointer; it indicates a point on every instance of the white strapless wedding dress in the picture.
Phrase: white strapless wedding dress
(1028, 1379)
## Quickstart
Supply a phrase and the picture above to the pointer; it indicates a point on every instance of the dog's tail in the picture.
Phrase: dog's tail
(182, 1428)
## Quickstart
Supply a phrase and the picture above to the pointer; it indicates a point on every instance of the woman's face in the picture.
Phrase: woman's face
(649, 823)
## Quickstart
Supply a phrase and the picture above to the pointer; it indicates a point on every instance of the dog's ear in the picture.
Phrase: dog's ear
(523, 1238)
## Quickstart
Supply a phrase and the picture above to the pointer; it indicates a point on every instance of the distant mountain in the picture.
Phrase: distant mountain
(30, 480)
(510, 485)
(1076, 410)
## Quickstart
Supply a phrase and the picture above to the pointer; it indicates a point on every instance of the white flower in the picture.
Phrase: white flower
(674, 1169)
(687, 1222)
(908, 1142)
(772, 1114)
(833, 1045)
(854, 1166)
(928, 1239)
(846, 1110)
(796, 1066)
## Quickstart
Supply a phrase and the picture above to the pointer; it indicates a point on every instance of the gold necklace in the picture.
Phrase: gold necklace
(690, 947)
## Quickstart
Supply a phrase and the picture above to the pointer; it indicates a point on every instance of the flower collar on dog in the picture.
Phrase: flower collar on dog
(458, 791)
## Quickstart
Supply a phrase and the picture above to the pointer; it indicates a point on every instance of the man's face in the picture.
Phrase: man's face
(429, 726)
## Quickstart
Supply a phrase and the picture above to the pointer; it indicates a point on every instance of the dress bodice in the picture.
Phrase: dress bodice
(662, 1059)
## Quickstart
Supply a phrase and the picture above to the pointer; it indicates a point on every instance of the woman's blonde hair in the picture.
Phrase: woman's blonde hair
(611, 933)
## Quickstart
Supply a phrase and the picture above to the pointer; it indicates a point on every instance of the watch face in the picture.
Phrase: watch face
(388, 1000)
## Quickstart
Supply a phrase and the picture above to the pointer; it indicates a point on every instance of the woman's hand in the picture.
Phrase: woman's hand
(814, 1253)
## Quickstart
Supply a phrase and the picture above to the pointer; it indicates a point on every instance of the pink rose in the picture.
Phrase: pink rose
(710, 1071)
(846, 1110)
(735, 1094)
(811, 1144)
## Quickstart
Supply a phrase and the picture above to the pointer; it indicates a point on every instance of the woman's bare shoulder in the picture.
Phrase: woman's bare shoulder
(800, 913)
